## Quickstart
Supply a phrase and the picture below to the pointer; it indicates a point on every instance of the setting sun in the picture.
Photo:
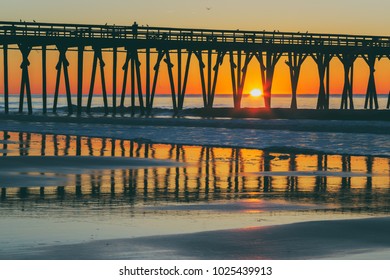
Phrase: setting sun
(255, 92)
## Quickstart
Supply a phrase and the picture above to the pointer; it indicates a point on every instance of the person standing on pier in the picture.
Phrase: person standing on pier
(134, 28)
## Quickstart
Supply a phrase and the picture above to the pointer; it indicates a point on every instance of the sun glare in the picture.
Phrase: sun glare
(256, 92)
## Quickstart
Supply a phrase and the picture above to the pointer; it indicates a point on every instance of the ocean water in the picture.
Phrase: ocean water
(196, 101)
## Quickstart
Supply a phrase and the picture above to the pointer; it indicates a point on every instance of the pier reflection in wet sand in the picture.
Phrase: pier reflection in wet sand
(342, 182)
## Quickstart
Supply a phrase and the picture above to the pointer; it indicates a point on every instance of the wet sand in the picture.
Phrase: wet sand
(337, 239)
(27, 171)
(358, 122)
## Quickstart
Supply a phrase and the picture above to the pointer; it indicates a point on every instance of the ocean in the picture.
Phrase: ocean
(164, 101)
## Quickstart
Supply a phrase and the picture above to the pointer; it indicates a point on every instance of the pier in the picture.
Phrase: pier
(178, 47)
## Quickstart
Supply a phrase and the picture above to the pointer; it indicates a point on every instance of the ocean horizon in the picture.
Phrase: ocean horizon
(164, 101)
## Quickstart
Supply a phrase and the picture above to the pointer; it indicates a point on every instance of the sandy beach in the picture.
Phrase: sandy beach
(340, 239)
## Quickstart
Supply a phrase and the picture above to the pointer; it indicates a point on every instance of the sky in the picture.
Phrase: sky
(335, 16)
(331, 16)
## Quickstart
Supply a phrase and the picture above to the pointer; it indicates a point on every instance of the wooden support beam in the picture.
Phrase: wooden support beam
(167, 60)
(98, 57)
(44, 81)
(62, 63)
(327, 84)
(6, 93)
(125, 69)
(351, 106)
(294, 62)
(388, 101)
(156, 69)
(132, 61)
(199, 56)
(323, 60)
(186, 72)
(139, 82)
(147, 73)
(132, 85)
(92, 84)
(25, 82)
(238, 81)
(218, 63)
(114, 77)
(179, 77)
(103, 80)
(80, 61)
(209, 82)
(244, 70)
(238, 74)
(371, 95)
(67, 87)
(347, 59)
(57, 86)
(267, 69)
(233, 78)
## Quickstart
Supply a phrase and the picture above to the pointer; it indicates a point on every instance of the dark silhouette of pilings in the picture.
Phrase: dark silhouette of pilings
(133, 62)
(347, 60)
(63, 63)
(238, 75)
(114, 77)
(323, 62)
(236, 78)
(294, 62)
(371, 100)
(80, 66)
(44, 81)
(388, 101)
(25, 83)
(98, 57)
(5, 61)
(267, 68)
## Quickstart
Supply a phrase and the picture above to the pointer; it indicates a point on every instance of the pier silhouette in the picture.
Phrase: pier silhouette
(176, 46)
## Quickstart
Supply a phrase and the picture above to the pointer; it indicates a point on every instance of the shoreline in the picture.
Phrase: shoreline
(286, 113)
(362, 138)
(224, 119)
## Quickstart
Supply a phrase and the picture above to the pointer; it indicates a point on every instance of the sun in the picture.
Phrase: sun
(256, 92)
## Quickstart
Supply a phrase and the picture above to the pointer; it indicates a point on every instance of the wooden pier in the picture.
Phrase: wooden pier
(209, 48)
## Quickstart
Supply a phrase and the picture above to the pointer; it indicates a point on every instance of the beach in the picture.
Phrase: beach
(100, 190)
(362, 239)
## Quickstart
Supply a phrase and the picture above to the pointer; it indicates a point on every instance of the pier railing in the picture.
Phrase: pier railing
(50, 30)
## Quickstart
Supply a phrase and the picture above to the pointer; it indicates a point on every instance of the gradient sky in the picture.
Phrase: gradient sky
(336, 16)
(369, 17)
